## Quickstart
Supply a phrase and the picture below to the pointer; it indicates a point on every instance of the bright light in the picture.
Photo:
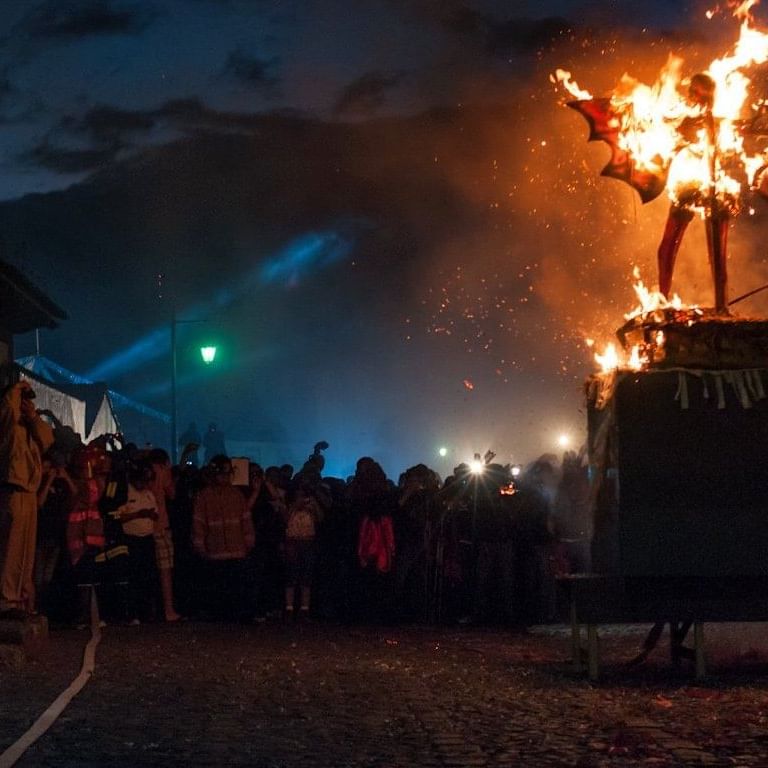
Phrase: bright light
(515, 470)
(208, 354)
(476, 467)
(443, 451)
(563, 441)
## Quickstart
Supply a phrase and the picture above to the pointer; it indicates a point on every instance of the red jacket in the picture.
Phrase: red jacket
(376, 543)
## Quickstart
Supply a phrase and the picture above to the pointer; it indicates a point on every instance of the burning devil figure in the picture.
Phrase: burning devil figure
(699, 140)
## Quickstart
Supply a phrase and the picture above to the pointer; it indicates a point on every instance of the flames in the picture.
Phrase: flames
(651, 301)
(689, 132)
(694, 137)
(613, 358)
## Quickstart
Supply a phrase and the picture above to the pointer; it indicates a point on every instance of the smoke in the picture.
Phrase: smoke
(491, 249)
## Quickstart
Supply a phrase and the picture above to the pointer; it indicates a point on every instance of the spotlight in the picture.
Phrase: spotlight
(563, 440)
(476, 467)
(515, 470)
(443, 452)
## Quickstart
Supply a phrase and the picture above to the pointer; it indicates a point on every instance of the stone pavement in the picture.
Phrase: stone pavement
(310, 694)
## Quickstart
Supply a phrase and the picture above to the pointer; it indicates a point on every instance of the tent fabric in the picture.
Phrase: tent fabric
(60, 375)
(98, 407)
(105, 422)
(86, 408)
(67, 409)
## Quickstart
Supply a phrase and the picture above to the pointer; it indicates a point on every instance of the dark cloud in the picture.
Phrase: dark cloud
(253, 72)
(367, 93)
(57, 20)
(191, 115)
(500, 38)
(68, 161)
(526, 35)
(7, 96)
(109, 124)
(102, 134)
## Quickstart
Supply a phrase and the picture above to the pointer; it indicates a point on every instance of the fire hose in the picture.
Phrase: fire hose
(49, 717)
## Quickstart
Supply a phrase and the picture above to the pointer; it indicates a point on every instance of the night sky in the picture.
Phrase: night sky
(393, 230)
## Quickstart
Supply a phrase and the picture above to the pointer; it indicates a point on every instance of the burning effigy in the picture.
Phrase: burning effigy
(678, 417)
(700, 139)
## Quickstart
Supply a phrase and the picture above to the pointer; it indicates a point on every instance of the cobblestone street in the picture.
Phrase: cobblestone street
(321, 695)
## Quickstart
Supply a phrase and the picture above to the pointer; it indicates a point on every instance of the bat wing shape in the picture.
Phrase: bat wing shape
(604, 126)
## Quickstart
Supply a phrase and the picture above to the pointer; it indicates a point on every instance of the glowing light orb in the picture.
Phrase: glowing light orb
(515, 470)
(563, 440)
(443, 451)
(208, 354)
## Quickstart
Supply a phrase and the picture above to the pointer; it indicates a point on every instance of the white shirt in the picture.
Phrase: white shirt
(142, 526)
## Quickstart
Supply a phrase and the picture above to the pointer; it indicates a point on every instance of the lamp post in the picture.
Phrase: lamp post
(208, 354)
(174, 409)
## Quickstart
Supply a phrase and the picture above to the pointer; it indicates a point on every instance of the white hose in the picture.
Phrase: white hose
(49, 717)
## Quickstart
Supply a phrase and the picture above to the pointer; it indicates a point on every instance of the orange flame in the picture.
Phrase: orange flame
(650, 301)
(612, 358)
(693, 136)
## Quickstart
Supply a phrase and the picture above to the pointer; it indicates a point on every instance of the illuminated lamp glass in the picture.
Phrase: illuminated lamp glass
(208, 354)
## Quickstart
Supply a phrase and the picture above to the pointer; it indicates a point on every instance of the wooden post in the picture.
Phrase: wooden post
(575, 637)
(698, 649)
(593, 660)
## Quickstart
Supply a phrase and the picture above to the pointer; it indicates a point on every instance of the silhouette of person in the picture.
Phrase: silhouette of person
(190, 436)
(213, 443)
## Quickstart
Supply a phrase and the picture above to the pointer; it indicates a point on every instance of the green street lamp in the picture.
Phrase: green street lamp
(208, 354)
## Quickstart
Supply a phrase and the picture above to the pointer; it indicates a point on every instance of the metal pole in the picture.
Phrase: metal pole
(174, 411)
(473, 574)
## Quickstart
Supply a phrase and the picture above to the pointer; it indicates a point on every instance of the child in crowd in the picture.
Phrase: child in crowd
(303, 518)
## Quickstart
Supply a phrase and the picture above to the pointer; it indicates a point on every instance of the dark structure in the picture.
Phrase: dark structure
(683, 489)
(23, 308)
(680, 487)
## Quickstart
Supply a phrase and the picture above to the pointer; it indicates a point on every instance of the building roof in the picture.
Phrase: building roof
(23, 306)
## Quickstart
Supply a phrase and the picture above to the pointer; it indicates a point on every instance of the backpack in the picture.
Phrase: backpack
(301, 522)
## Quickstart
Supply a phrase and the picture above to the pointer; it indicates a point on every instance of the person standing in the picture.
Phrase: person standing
(164, 490)
(189, 443)
(213, 443)
(24, 437)
(303, 517)
(222, 535)
(138, 517)
(56, 498)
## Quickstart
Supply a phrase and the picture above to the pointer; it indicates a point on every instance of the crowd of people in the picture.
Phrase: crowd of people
(157, 542)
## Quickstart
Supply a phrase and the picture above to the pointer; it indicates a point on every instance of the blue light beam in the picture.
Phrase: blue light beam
(295, 261)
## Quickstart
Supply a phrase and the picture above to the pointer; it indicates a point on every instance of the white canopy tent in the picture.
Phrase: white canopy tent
(85, 408)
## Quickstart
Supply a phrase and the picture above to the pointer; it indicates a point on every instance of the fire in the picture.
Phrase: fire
(612, 359)
(689, 131)
(609, 360)
(639, 356)
(650, 301)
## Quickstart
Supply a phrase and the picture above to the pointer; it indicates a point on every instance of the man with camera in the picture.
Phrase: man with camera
(24, 437)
